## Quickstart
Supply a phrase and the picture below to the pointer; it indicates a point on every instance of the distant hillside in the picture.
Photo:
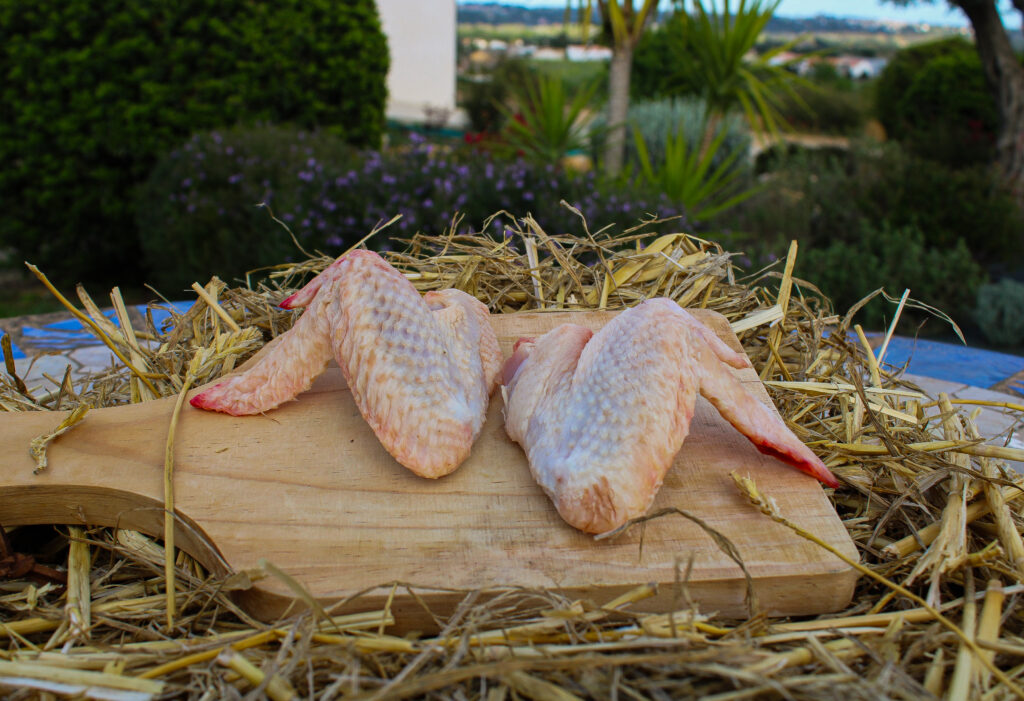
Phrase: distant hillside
(492, 13)
(498, 13)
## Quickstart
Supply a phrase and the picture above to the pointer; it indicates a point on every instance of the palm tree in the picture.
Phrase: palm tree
(626, 23)
(714, 56)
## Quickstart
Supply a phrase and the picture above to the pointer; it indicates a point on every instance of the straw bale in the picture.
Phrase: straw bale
(932, 511)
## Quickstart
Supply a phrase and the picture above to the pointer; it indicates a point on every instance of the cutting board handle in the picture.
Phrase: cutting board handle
(105, 471)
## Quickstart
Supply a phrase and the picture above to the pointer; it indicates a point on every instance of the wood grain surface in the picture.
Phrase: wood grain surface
(309, 488)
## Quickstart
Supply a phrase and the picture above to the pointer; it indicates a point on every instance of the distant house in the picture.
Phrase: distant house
(547, 53)
(421, 39)
(588, 53)
(867, 67)
(784, 58)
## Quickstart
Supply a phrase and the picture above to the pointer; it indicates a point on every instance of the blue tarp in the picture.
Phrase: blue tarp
(952, 362)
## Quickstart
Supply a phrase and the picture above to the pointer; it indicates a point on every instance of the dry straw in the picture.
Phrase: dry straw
(931, 506)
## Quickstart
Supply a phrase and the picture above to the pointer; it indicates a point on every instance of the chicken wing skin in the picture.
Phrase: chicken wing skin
(421, 369)
(602, 416)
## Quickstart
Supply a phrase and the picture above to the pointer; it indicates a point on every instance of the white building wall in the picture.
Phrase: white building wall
(421, 39)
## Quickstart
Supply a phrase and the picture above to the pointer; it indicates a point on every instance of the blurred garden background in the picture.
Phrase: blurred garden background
(146, 143)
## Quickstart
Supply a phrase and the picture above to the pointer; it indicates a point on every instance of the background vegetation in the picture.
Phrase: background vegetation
(95, 93)
(140, 141)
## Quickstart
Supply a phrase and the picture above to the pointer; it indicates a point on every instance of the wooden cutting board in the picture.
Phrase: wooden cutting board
(309, 488)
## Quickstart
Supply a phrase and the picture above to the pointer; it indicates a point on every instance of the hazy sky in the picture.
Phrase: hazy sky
(936, 12)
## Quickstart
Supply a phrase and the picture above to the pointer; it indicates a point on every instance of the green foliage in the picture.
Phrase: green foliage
(947, 204)
(94, 93)
(576, 75)
(825, 107)
(894, 258)
(654, 73)
(934, 97)
(656, 120)
(481, 94)
(998, 312)
(820, 198)
(706, 53)
(549, 123)
(689, 176)
(198, 214)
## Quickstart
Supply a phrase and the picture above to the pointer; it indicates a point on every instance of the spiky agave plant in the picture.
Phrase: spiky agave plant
(713, 55)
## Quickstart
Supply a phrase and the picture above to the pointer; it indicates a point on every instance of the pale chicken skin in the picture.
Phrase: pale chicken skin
(602, 416)
(421, 369)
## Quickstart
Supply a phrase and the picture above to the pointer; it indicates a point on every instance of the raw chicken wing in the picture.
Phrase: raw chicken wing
(420, 369)
(601, 416)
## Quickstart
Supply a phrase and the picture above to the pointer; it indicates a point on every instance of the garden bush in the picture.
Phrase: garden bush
(201, 198)
(894, 258)
(654, 73)
(482, 94)
(820, 198)
(198, 212)
(998, 312)
(947, 204)
(657, 120)
(94, 93)
(825, 107)
(935, 98)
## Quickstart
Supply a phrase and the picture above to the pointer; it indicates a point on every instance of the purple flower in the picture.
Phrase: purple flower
(328, 205)
(334, 240)
(416, 138)
(306, 176)
(234, 179)
(428, 203)
(187, 182)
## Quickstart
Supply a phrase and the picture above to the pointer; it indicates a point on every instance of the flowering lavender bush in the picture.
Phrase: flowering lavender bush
(198, 213)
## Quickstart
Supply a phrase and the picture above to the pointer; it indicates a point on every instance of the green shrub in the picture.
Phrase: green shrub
(947, 204)
(482, 94)
(687, 175)
(197, 213)
(999, 312)
(549, 122)
(657, 120)
(819, 198)
(824, 107)
(895, 258)
(94, 93)
(935, 98)
(654, 73)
